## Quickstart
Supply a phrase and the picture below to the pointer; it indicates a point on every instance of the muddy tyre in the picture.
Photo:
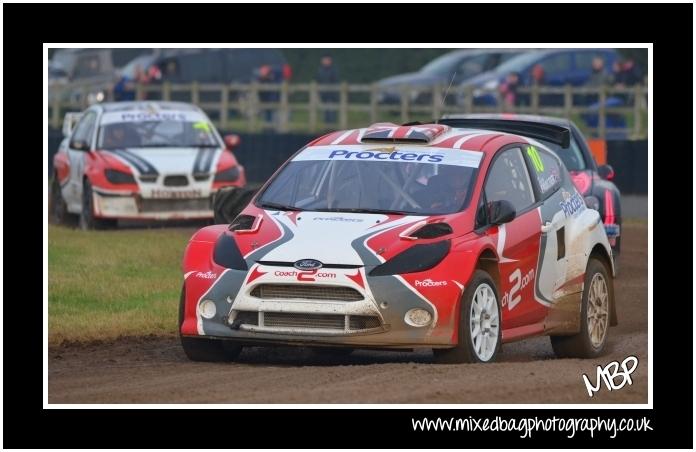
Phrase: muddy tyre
(480, 332)
(595, 316)
(87, 218)
(57, 208)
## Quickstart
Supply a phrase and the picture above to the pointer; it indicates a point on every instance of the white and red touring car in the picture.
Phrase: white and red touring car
(404, 237)
(141, 161)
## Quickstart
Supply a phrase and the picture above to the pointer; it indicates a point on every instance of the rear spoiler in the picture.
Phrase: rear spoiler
(555, 134)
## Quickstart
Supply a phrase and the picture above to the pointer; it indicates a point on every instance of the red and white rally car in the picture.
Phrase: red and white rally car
(404, 237)
(141, 161)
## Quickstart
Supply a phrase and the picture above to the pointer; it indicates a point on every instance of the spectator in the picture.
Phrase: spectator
(328, 75)
(171, 70)
(618, 74)
(626, 75)
(508, 89)
(154, 74)
(266, 74)
(630, 74)
(598, 77)
(538, 75)
(125, 87)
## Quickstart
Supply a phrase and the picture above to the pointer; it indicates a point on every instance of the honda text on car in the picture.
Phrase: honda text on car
(141, 161)
(405, 237)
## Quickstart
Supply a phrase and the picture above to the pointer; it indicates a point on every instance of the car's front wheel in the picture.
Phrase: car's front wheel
(480, 332)
(597, 299)
(202, 348)
(87, 218)
(58, 209)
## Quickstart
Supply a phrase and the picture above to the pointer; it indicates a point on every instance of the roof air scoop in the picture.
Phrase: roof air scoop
(392, 133)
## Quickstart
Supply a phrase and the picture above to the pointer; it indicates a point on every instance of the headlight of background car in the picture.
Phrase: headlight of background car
(418, 258)
(228, 175)
(118, 177)
(592, 202)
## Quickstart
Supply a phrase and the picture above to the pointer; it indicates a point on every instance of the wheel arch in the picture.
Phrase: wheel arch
(488, 261)
(600, 253)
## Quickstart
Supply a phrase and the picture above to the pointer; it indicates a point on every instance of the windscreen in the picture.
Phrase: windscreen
(133, 129)
(408, 180)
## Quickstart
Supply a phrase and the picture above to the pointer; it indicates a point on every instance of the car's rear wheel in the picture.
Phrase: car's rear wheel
(202, 348)
(597, 300)
(480, 332)
(87, 218)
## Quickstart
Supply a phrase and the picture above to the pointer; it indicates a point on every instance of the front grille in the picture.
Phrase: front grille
(363, 322)
(305, 292)
(171, 205)
(294, 320)
(176, 181)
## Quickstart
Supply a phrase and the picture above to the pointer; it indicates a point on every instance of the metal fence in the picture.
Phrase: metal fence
(310, 107)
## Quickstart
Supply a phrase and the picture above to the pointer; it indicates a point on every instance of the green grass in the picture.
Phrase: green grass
(106, 284)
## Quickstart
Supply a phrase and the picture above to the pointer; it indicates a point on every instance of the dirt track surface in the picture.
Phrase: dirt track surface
(155, 370)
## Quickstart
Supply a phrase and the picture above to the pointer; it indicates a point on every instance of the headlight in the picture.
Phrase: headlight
(207, 309)
(418, 258)
(227, 254)
(228, 175)
(118, 177)
(418, 317)
(592, 202)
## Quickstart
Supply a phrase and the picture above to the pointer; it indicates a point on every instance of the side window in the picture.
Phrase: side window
(472, 66)
(508, 179)
(583, 60)
(506, 56)
(556, 64)
(83, 130)
(545, 168)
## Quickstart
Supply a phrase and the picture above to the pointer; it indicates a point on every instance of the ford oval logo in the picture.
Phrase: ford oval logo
(308, 264)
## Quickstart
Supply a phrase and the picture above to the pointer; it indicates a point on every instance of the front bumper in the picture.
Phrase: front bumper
(135, 207)
(375, 317)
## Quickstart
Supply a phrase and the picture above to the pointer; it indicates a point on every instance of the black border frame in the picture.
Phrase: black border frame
(27, 424)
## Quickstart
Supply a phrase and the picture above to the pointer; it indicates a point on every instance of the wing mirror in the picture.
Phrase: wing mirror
(79, 145)
(500, 212)
(232, 141)
(606, 172)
